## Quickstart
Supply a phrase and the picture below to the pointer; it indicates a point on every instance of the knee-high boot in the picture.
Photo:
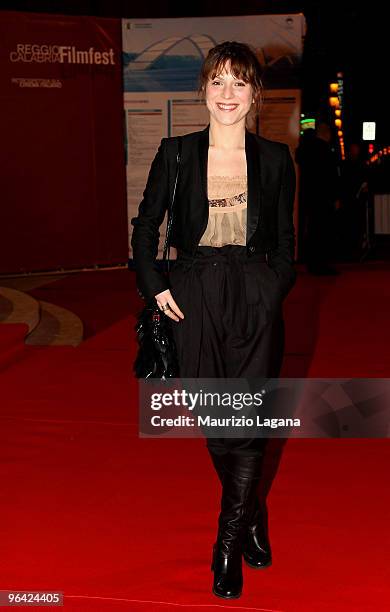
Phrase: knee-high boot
(256, 548)
(240, 480)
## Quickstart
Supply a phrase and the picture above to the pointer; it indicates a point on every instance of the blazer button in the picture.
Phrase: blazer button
(251, 248)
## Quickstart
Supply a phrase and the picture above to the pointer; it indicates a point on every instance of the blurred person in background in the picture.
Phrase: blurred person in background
(354, 189)
(318, 197)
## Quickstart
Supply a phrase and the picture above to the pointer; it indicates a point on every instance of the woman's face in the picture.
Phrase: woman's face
(228, 99)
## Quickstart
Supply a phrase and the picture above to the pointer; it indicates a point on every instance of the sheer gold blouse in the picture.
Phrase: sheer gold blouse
(227, 197)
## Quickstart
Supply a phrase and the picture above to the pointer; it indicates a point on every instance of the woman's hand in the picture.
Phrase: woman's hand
(173, 312)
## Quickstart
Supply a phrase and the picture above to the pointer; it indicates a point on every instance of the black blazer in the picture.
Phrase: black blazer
(271, 190)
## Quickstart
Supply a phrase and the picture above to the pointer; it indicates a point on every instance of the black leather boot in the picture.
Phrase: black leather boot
(240, 480)
(256, 548)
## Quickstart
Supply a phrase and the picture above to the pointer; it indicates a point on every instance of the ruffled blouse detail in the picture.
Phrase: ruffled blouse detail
(227, 197)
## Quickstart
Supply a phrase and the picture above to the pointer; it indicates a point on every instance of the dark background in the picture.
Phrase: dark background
(341, 36)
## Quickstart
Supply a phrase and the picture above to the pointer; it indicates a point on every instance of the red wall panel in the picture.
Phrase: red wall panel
(62, 166)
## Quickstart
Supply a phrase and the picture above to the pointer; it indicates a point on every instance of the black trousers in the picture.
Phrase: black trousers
(233, 325)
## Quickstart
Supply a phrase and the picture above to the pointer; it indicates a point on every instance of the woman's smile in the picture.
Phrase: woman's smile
(226, 107)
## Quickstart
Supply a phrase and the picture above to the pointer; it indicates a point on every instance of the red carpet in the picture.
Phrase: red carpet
(121, 523)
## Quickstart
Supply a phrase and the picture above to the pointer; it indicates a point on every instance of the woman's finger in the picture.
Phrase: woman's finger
(173, 312)
(175, 308)
(163, 299)
(169, 313)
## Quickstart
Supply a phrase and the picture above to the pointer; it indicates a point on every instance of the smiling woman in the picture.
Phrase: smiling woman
(237, 64)
(234, 234)
(227, 97)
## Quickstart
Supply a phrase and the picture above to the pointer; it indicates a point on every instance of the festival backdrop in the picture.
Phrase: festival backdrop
(62, 178)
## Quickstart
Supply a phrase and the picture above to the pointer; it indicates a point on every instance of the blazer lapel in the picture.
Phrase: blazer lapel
(254, 184)
(253, 177)
(203, 159)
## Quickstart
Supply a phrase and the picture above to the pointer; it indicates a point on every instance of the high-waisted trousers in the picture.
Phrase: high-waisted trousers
(233, 323)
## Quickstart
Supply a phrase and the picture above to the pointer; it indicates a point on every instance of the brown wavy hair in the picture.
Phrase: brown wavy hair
(244, 65)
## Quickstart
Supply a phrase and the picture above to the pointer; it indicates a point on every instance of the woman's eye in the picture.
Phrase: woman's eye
(240, 84)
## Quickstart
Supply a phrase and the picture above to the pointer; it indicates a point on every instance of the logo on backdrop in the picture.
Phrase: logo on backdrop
(41, 54)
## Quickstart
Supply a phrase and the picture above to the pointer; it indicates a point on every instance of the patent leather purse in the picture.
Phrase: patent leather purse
(157, 355)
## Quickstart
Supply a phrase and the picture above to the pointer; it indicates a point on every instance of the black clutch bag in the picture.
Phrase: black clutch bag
(157, 356)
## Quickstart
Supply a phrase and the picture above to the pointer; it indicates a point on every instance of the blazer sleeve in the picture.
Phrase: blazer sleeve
(145, 237)
(281, 259)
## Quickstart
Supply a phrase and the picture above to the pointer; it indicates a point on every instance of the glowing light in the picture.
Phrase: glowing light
(369, 130)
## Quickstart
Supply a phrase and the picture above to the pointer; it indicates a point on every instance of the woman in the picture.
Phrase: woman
(234, 235)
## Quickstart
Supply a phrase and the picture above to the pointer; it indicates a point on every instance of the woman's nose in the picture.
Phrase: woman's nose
(227, 91)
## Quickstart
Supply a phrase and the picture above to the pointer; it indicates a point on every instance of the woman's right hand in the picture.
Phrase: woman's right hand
(173, 312)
